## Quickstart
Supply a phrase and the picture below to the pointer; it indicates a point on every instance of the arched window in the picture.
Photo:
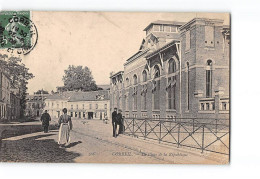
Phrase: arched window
(157, 72)
(144, 76)
(172, 66)
(127, 81)
(209, 79)
(135, 79)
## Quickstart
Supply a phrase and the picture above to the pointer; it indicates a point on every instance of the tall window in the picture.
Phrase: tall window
(188, 86)
(96, 106)
(144, 97)
(171, 66)
(135, 98)
(171, 91)
(171, 87)
(209, 79)
(157, 72)
(156, 88)
(127, 81)
(144, 74)
(135, 79)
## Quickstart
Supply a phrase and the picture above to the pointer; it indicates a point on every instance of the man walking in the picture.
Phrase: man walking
(114, 121)
(45, 118)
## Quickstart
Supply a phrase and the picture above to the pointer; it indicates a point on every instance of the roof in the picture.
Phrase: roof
(115, 74)
(90, 96)
(161, 22)
(200, 19)
(149, 55)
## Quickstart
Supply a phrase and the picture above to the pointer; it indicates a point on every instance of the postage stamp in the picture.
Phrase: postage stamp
(18, 34)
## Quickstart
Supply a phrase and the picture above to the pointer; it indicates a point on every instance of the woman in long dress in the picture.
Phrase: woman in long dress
(65, 124)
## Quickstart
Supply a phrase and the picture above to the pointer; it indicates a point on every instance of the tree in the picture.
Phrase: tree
(41, 92)
(78, 78)
(19, 76)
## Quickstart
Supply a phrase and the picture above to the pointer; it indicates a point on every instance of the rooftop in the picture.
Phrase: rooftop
(161, 22)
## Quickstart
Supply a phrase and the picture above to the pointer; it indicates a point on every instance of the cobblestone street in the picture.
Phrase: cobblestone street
(92, 142)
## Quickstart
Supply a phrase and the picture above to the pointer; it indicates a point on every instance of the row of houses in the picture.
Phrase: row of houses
(80, 105)
(180, 70)
(9, 98)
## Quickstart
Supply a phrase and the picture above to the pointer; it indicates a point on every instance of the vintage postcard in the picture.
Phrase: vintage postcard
(114, 87)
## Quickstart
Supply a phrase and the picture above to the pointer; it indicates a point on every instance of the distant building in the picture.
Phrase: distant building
(85, 105)
(180, 70)
(35, 104)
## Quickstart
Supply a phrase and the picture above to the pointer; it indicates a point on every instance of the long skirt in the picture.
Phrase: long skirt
(64, 134)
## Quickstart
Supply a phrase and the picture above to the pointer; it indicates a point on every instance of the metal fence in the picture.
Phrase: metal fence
(203, 134)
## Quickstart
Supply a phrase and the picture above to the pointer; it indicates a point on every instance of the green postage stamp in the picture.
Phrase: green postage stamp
(18, 34)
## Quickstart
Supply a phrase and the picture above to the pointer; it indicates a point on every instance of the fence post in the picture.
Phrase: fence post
(179, 126)
(193, 125)
(145, 128)
(133, 127)
(216, 128)
(160, 135)
(202, 145)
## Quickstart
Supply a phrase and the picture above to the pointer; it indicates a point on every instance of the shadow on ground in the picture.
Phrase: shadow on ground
(32, 150)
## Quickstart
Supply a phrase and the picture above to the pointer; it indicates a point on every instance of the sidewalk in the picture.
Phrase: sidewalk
(92, 142)
(148, 148)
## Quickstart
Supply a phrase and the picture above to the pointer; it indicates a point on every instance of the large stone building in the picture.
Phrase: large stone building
(180, 70)
(5, 105)
(84, 105)
(15, 112)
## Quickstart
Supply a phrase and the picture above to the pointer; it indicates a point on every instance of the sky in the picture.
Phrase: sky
(103, 41)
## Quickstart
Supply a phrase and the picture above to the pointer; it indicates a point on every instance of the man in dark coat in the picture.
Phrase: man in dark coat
(114, 122)
(45, 118)
(120, 122)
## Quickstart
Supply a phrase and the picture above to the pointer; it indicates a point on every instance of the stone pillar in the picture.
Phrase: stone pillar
(130, 101)
(218, 92)
(163, 97)
(139, 101)
(149, 98)
(195, 106)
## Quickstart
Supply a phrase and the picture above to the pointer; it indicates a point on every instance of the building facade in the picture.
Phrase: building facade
(5, 105)
(15, 104)
(180, 70)
(80, 105)
(35, 104)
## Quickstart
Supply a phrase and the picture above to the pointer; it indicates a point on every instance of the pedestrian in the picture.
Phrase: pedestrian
(114, 122)
(120, 122)
(65, 124)
(45, 119)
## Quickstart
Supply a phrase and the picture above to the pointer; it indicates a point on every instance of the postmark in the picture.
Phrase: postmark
(18, 34)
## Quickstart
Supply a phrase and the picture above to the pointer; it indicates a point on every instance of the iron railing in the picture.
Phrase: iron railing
(203, 134)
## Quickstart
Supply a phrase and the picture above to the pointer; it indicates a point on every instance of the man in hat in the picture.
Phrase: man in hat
(114, 121)
(45, 118)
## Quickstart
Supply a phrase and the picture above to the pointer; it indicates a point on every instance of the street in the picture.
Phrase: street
(92, 142)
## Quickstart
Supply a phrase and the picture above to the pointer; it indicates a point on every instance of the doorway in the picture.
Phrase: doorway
(90, 115)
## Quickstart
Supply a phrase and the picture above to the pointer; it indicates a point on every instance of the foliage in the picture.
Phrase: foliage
(41, 92)
(78, 78)
(19, 76)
